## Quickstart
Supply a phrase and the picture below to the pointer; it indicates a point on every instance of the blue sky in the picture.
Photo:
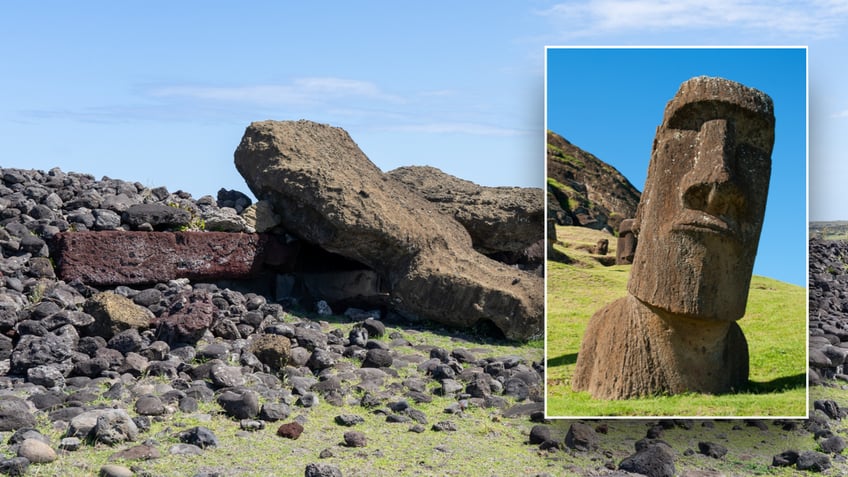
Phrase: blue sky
(614, 105)
(160, 92)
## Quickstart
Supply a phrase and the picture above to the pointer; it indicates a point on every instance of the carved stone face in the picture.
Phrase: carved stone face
(700, 216)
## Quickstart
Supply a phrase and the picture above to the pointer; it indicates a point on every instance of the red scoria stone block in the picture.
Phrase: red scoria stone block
(110, 258)
(290, 430)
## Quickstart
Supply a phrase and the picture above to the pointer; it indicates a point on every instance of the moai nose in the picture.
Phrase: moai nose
(711, 185)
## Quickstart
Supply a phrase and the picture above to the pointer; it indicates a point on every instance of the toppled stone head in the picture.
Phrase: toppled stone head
(698, 225)
(329, 194)
(701, 213)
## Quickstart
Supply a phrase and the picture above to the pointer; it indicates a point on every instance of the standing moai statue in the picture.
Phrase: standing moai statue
(698, 225)
(601, 248)
(625, 248)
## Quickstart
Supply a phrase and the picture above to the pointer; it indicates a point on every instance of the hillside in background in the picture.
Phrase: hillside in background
(583, 190)
(831, 230)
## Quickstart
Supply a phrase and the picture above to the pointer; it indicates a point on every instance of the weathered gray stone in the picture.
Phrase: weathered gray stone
(14, 414)
(328, 192)
(114, 313)
(51, 349)
(114, 426)
(160, 216)
(261, 216)
(581, 437)
(36, 451)
(244, 405)
(82, 424)
(224, 220)
(655, 460)
(115, 470)
(272, 350)
(322, 470)
(499, 219)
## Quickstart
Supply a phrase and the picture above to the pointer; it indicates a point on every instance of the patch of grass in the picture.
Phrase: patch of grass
(750, 449)
(774, 325)
(392, 448)
(572, 197)
(556, 184)
(576, 242)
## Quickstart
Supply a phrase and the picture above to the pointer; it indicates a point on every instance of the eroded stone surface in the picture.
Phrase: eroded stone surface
(327, 191)
(499, 219)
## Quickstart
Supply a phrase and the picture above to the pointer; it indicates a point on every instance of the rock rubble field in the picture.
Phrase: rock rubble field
(104, 365)
(223, 377)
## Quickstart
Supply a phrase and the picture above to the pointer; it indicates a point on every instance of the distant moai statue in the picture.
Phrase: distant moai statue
(626, 246)
(698, 225)
(601, 248)
(552, 236)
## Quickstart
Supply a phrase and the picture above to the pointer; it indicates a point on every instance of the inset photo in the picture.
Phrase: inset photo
(677, 231)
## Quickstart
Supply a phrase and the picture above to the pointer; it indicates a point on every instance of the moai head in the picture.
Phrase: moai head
(699, 220)
(626, 246)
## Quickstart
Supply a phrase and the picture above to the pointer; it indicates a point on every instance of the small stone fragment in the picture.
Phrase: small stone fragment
(355, 439)
(114, 470)
(36, 451)
(290, 430)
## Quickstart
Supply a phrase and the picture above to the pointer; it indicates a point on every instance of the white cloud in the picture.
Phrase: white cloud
(817, 18)
(475, 129)
(300, 91)
(840, 114)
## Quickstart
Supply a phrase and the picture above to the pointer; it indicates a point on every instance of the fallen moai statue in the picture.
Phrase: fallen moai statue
(499, 219)
(326, 191)
(698, 226)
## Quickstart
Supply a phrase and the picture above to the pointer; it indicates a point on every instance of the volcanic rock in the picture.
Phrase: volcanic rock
(290, 430)
(244, 405)
(581, 437)
(261, 216)
(36, 451)
(813, 461)
(126, 258)
(322, 470)
(272, 350)
(14, 414)
(199, 436)
(15, 466)
(114, 313)
(189, 316)
(329, 193)
(159, 216)
(656, 460)
(712, 449)
(114, 426)
(355, 439)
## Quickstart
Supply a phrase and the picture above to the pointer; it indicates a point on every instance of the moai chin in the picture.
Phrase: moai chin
(698, 226)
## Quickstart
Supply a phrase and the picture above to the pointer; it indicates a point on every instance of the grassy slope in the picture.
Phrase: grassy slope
(391, 450)
(775, 326)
